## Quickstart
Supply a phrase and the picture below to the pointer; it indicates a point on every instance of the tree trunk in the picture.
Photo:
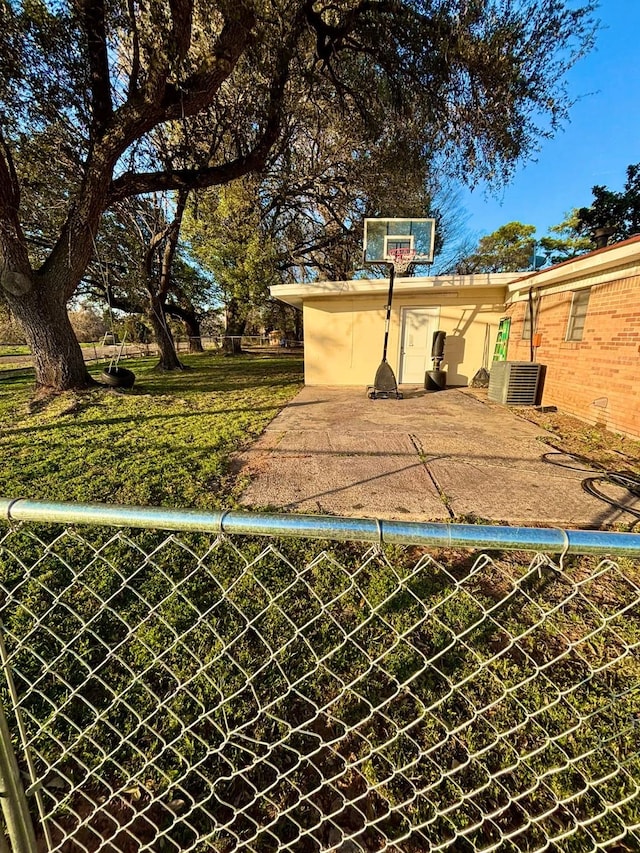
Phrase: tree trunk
(236, 325)
(168, 356)
(57, 355)
(297, 320)
(192, 327)
(195, 340)
(191, 323)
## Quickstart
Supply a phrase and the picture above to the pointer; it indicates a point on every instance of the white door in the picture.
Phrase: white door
(418, 326)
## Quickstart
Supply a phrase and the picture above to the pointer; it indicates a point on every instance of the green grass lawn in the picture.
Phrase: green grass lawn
(166, 442)
(14, 349)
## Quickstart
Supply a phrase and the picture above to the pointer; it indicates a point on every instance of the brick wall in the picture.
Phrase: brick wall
(598, 378)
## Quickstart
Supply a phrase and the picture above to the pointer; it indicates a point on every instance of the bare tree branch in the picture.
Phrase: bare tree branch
(196, 92)
(132, 183)
(98, 60)
(182, 16)
(15, 268)
(134, 74)
(161, 102)
(171, 243)
(9, 184)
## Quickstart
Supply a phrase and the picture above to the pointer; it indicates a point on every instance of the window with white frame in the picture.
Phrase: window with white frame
(578, 315)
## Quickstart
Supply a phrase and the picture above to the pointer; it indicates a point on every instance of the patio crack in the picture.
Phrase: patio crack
(423, 459)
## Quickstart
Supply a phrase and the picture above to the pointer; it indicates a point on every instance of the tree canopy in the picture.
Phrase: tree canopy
(612, 215)
(84, 84)
(225, 229)
(509, 248)
(565, 240)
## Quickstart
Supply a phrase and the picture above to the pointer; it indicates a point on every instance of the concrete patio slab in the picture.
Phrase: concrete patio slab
(346, 474)
(428, 457)
(535, 495)
(329, 442)
(480, 450)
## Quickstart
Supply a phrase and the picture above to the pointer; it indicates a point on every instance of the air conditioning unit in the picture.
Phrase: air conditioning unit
(516, 383)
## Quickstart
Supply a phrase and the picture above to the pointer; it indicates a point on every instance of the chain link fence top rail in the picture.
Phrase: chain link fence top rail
(197, 691)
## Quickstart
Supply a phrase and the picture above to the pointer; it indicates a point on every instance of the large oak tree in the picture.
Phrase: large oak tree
(481, 81)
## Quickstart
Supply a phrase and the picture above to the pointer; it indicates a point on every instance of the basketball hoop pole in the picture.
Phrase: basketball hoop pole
(403, 260)
(387, 322)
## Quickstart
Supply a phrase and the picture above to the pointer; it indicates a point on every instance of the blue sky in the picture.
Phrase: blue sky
(600, 141)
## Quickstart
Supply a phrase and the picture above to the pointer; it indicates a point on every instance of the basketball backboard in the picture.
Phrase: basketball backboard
(386, 240)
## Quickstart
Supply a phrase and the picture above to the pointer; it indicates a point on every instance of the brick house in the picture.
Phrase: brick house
(586, 330)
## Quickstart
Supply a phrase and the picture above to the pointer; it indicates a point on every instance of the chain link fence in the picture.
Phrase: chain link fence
(213, 692)
(12, 363)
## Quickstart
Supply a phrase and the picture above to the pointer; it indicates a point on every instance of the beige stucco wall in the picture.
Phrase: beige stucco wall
(344, 333)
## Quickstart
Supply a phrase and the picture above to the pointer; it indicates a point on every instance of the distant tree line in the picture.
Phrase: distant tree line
(612, 216)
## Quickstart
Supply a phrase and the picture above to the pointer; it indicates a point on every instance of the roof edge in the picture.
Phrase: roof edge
(296, 294)
(599, 260)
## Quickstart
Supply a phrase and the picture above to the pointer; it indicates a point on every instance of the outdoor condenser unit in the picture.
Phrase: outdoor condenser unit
(516, 383)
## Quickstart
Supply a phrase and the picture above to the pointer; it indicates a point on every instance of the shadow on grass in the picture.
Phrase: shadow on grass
(139, 419)
(210, 377)
(211, 371)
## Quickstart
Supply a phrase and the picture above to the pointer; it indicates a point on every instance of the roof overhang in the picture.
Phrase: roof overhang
(298, 294)
(622, 260)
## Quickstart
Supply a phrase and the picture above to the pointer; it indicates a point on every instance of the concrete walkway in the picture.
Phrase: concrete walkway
(429, 457)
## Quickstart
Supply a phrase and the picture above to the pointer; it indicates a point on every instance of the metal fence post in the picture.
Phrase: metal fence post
(14, 802)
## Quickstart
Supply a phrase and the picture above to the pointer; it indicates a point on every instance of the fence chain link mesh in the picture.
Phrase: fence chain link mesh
(187, 693)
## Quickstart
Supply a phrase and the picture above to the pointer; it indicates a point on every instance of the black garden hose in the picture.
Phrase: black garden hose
(630, 483)
(625, 479)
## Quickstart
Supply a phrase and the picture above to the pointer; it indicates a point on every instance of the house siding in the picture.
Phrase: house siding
(596, 379)
(344, 334)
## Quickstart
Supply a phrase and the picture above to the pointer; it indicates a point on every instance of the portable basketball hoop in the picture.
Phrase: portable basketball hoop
(401, 244)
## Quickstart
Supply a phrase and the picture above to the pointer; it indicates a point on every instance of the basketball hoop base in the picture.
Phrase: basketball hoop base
(375, 394)
(384, 385)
